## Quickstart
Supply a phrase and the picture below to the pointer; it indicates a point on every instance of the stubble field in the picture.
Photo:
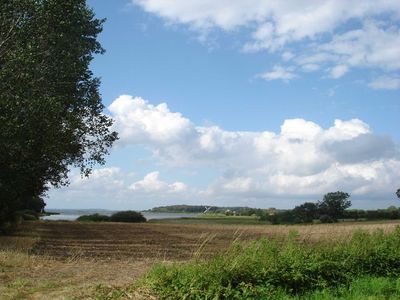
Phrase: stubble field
(69, 260)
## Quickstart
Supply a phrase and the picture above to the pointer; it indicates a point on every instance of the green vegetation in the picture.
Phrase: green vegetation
(333, 205)
(235, 210)
(128, 216)
(29, 215)
(94, 218)
(50, 108)
(299, 215)
(332, 208)
(366, 265)
(372, 288)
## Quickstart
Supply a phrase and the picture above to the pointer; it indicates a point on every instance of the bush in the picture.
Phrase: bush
(128, 216)
(326, 219)
(263, 269)
(94, 218)
(28, 215)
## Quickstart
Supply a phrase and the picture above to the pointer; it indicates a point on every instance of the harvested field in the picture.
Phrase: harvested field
(65, 240)
(141, 241)
(67, 260)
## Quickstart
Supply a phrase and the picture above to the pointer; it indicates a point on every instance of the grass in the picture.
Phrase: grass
(364, 288)
(269, 269)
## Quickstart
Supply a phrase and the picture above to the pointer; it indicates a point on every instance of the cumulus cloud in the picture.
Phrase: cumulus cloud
(114, 188)
(151, 183)
(340, 34)
(144, 123)
(302, 159)
(110, 178)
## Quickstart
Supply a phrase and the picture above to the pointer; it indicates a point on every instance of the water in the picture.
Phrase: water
(73, 214)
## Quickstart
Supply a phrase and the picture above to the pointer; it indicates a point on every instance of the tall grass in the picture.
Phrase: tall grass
(268, 269)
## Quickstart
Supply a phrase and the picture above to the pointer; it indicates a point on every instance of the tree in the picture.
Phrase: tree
(334, 204)
(51, 115)
(398, 193)
(305, 213)
(128, 216)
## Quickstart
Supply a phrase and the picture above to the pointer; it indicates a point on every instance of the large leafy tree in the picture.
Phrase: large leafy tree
(334, 204)
(50, 109)
(398, 193)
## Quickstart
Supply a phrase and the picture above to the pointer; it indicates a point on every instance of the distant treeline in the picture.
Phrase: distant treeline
(204, 208)
(332, 208)
(127, 216)
(294, 216)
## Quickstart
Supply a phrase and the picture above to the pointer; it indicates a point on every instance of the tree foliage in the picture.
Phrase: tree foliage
(398, 193)
(305, 213)
(127, 216)
(334, 204)
(50, 107)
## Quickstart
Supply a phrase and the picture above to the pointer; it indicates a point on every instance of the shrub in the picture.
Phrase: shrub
(263, 269)
(128, 216)
(326, 219)
(28, 215)
(94, 218)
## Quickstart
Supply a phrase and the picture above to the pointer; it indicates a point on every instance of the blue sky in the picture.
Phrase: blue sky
(249, 94)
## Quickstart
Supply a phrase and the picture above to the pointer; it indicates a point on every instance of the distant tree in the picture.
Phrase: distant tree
(305, 213)
(128, 216)
(94, 218)
(334, 204)
(51, 115)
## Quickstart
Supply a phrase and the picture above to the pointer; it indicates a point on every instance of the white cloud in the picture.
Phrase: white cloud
(110, 178)
(302, 159)
(340, 34)
(287, 55)
(112, 188)
(338, 71)
(373, 46)
(152, 184)
(144, 123)
(291, 19)
(279, 73)
(310, 67)
(386, 83)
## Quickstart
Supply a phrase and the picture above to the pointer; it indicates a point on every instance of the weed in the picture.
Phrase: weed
(266, 268)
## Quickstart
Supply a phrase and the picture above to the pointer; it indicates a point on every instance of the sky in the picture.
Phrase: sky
(254, 103)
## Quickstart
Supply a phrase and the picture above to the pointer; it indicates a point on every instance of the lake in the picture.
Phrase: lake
(73, 214)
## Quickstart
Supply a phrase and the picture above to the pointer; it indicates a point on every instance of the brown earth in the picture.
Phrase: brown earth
(66, 240)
